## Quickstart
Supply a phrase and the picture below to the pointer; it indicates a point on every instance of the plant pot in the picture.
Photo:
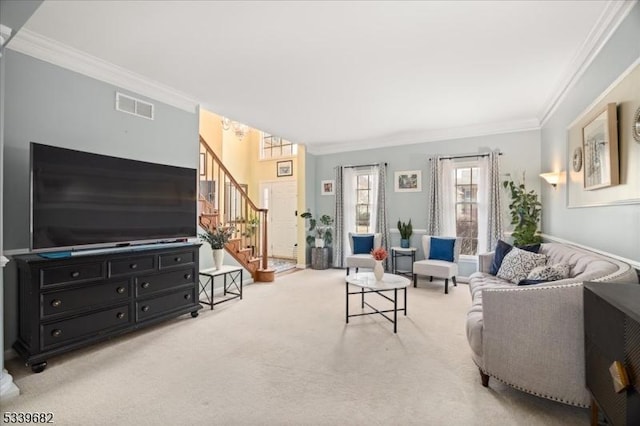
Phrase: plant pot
(319, 243)
(218, 256)
(378, 270)
(404, 243)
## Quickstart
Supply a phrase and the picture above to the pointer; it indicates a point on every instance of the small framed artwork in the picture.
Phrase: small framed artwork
(328, 187)
(284, 168)
(408, 181)
(600, 150)
(203, 164)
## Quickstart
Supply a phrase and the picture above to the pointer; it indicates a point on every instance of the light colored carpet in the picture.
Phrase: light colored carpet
(284, 356)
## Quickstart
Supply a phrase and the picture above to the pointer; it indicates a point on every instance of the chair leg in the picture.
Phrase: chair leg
(431, 278)
(446, 286)
(357, 269)
(415, 280)
(454, 281)
(347, 270)
(485, 378)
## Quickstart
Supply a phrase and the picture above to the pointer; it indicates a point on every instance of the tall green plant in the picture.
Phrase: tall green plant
(406, 229)
(322, 230)
(525, 212)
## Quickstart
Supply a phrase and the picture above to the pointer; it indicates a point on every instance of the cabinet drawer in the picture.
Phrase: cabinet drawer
(71, 273)
(131, 265)
(160, 305)
(78, 327)
(84, 297)
(169, 260)
(149, 284)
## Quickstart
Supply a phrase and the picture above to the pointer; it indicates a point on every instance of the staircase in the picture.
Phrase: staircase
(223, 201)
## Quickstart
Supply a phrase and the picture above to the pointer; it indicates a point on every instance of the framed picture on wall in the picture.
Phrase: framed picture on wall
(284, 168)
(600, 149)
(408, 181)
(328, 187)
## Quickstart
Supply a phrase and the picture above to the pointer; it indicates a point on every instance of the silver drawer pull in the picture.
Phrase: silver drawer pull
(119, 315)
(120, 290)
(133, 265)
(56, 303)
(187, 296)
(75, 274)
(145, 308)
(56, 333)
(145, 285)
(187, 276)
(178, 259)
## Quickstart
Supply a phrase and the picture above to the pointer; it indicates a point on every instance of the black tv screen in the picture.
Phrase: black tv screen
(84, 199)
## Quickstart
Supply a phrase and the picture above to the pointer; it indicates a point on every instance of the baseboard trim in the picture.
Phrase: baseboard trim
(553, 239)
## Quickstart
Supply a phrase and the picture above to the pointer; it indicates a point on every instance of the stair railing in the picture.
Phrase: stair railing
(224, 201)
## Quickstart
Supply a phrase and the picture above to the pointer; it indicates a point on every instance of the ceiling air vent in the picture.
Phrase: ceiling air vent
(134, 106)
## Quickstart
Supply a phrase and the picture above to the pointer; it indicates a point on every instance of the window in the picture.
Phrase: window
(276, 147)
(364, 203)
(466, 188)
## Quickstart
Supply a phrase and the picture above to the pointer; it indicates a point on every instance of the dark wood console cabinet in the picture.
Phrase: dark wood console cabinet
(612, 333)
(65, 304)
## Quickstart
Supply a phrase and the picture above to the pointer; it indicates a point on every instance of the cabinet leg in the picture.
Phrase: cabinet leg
(194, 314)
(39, 367)
(594, 413)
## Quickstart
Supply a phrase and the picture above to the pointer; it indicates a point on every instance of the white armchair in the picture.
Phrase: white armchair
(437, 267)
(362, 258)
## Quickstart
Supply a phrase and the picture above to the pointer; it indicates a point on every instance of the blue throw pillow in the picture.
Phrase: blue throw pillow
(501, 251)
(441, 249)
(362, 244)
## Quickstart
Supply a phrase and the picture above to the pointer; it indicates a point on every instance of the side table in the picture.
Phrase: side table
(232, 276)
(397, 252)
(320, 257)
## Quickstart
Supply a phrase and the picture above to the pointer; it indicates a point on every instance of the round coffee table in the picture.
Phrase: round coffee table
(368, 284)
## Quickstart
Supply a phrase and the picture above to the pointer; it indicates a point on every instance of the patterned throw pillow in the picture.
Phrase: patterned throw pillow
(517, 264)
(501, 251)
(555, 272)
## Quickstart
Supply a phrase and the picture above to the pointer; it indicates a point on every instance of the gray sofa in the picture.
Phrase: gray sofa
(531, 337)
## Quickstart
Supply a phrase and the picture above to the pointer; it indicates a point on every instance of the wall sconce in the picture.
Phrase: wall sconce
(552, 178)
(239, 129)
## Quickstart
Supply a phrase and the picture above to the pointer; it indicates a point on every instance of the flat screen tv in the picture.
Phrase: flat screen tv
(81, 200)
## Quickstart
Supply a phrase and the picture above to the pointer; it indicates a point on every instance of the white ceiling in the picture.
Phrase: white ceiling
(349, 74)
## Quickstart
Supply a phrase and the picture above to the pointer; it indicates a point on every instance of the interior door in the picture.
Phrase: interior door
(281, 199)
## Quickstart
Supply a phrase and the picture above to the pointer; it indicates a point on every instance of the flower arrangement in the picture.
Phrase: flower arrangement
(217, 237)
(379, 254)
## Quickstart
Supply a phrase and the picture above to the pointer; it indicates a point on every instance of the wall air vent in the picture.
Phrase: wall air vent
(134, 106)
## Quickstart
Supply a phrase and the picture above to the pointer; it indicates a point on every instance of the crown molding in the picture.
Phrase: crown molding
(53, 52)
(425, 136)
(610, 19)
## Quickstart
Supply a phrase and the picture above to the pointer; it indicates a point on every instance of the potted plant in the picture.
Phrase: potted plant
(320, 234)
(525, 210)
(405, 233)
(217, 237)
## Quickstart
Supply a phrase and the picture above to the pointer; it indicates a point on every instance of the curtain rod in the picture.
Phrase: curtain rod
(486, 154)
(365, 165)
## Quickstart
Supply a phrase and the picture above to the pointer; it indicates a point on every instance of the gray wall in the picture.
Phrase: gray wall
(521, 153)
(51, 105)
(614, 229)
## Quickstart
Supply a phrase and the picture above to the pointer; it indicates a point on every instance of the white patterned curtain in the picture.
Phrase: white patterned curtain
(489, 203)
(382, 224)
(338, 241)
(441, 211)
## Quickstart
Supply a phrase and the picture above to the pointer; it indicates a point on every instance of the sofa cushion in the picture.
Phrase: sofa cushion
(517, 264)
(501, 251)
(362, 244)
(442, 249)
(559, 271)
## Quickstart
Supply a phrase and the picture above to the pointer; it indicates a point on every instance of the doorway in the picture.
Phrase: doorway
(281, 198)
